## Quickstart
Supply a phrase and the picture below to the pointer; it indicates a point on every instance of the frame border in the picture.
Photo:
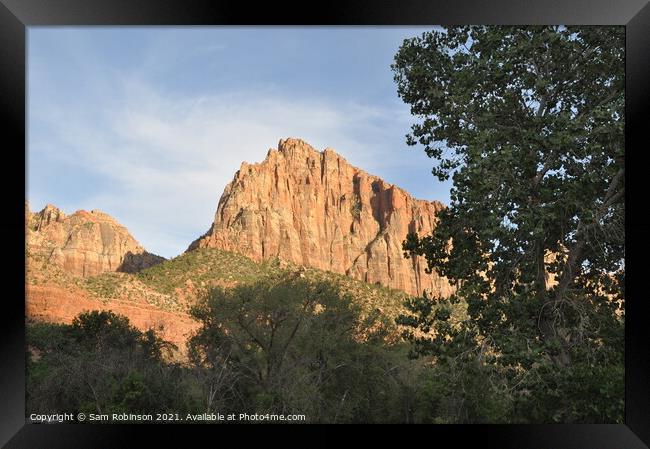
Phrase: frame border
(17, 15)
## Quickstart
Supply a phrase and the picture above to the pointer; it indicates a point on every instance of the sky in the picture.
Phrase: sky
(149, 124)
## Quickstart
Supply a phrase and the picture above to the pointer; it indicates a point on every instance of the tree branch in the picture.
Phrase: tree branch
(250, 334)
(547, 166)
(611, 196)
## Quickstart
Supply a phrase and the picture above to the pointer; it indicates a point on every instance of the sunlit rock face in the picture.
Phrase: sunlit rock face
(84, 243)
(314, 209)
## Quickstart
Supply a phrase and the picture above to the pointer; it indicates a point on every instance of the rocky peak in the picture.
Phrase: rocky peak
(296, 148)
(48, 215)
(314, 209)
(85, 243)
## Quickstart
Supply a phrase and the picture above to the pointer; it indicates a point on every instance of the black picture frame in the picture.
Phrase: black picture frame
(16, 15)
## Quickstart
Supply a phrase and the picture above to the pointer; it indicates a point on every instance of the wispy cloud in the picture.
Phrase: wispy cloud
(168, 159)
(118, 125)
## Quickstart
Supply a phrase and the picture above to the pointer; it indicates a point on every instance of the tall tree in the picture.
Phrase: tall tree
(303, 346)
(529, 124)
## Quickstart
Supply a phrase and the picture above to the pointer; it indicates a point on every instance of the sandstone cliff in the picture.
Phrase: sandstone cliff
(55, 304)
(84, 243)
(315, 209)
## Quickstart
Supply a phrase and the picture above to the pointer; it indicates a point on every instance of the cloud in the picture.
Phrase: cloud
(150, 127)
(158, 163)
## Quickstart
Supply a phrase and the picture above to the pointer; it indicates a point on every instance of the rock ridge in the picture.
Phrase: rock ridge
(85, 243)
(315, 209)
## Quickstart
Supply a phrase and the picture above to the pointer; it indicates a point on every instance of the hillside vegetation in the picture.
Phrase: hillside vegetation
(176, 284)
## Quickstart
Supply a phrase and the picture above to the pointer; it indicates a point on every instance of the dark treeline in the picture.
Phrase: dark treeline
(288, 345)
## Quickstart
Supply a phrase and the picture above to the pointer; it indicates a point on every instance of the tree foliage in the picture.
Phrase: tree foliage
(296, 346)
(529, 124)
(281, 345)
(99, 364)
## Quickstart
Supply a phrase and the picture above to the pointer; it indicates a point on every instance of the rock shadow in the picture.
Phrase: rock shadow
(135, 262)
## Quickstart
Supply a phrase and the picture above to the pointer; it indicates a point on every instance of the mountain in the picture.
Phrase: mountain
(85, 243)
(88, 261)
(160, 296)
(316, 210)
(300, 211)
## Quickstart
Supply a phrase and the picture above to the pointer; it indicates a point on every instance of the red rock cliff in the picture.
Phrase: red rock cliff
(54, 304)
(315, 209)
(84, 243)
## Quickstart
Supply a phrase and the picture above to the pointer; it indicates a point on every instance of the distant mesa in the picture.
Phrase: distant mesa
(314, 209)
(84, 243)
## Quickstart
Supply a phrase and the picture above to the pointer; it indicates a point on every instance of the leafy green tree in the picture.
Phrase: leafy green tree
(290, 345)
(101, 364)
(528, 122)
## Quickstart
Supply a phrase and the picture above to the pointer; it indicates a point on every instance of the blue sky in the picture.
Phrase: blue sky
(150, 123)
